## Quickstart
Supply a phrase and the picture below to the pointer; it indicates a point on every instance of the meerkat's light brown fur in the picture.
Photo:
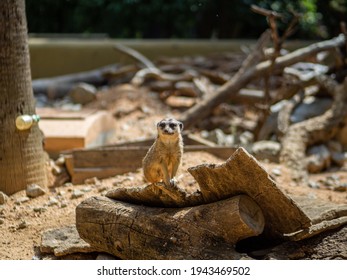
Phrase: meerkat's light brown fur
(164, 157)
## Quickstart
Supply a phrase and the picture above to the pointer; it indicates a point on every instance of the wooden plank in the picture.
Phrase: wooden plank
(81, 174)
(48, 113)
(110, 157)
(130, 156)
(66, 130)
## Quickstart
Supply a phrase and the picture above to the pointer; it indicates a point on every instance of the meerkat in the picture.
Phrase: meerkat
(164, 157)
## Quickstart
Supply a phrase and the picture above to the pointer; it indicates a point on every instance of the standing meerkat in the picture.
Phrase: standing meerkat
(164, 157)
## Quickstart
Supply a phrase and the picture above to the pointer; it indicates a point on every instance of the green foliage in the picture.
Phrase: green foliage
(179, 18)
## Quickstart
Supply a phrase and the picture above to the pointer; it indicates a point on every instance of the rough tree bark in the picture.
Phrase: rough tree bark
(21, 153)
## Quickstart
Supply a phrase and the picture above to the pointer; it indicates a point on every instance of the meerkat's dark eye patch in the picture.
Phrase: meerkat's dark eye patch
(162, 125)
(172, 125)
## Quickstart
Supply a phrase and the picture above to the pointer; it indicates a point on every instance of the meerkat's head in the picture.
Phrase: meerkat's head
(169, 128)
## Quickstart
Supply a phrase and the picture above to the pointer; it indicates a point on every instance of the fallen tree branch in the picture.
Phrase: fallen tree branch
(152, 71)
(243, 77)
(135, 55)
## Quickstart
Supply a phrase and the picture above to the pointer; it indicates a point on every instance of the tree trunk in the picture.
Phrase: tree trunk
(21, 152)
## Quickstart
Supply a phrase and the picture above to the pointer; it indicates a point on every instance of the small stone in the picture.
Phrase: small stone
(34, 190)
(102, 188)
(92, 181)
(76, 194)
(313, 185)
(3, 198)
(86, 189)
(63, 204)
(40, 209)
(246, 138)
(276, 172)
(68, 185)
(221, 138)
(341, 188)
(319, 158)
(332, 180)
(338, 158)
(267, 150)
(21, 200)
(22, 225)
(146, 110)
(52, 201)
(83, 93)
(61, 193)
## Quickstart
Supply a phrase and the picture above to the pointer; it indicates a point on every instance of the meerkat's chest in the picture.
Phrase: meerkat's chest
(169, 153)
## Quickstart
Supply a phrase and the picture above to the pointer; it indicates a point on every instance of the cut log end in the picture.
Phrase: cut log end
(251, 214)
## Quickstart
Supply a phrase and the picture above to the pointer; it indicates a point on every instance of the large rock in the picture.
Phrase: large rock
(309, 108)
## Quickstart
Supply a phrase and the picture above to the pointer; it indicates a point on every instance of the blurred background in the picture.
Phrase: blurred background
(181, 19)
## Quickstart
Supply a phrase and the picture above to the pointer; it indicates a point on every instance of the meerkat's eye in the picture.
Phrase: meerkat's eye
(172, 125)
(162, 125)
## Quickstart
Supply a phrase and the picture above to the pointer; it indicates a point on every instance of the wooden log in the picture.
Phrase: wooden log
(138, 232)
(58, 87)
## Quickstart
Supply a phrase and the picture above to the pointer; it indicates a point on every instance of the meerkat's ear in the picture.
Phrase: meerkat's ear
(181, 125)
